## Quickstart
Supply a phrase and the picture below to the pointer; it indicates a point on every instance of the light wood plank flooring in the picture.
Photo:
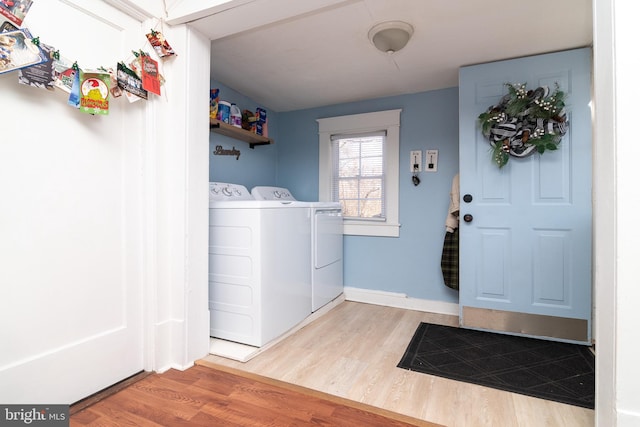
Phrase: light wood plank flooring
(352, 352)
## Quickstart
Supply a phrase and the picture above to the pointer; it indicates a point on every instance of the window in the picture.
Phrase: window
(358, 175)
(359, 168)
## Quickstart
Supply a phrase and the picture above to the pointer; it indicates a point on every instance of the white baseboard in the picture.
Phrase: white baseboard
(176, 367)
(167, 337)
(398, 300)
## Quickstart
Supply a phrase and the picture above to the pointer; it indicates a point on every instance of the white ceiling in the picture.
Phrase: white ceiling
(303, 54)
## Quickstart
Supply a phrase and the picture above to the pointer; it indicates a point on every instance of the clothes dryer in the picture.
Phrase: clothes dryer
(326, 262)
(259, 281)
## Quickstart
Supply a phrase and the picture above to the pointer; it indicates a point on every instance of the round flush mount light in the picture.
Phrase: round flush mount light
(391, 36)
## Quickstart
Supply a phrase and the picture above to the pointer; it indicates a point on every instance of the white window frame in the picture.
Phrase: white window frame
(388, 120)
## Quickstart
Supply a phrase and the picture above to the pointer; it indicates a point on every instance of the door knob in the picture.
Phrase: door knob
(467, 198)
(468, 218)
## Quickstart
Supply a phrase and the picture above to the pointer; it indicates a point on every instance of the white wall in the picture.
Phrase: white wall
(99, 213)
(179, 194)
(627, 148)
(616, 203)
(71, 246)
(603, 213)
(176, 195)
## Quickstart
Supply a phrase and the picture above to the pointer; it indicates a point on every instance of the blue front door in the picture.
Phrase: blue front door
(525, 249)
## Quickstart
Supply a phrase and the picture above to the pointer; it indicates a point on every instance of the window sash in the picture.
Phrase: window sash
(356, 189)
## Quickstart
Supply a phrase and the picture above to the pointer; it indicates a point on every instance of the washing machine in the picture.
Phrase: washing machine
(326, 262)
(259, 281)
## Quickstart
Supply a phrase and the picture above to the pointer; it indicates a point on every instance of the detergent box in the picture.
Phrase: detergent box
(214, 94)
(261, 122)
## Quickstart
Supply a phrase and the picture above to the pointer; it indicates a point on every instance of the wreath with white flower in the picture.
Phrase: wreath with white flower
(525, 121)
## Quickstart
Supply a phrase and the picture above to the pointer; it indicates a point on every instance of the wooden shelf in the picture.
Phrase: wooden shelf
(238, 133)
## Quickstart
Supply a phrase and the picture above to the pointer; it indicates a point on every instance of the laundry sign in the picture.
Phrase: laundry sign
(219, 151)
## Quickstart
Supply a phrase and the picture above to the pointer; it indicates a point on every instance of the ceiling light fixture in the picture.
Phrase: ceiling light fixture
(389, 37)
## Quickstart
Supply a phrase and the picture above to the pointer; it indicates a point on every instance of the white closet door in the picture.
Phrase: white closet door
(70, 220)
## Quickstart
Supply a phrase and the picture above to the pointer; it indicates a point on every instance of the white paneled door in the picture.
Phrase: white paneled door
(525, 229)
(71, 217)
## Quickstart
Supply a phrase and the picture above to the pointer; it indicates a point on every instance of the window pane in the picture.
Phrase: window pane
(371, 209)
(348, 150)
(359, 178)
(348, 189)
(349, 168)
(371, 147)
(371, 166)
(370, 189)
(350, 208)
(371, 198)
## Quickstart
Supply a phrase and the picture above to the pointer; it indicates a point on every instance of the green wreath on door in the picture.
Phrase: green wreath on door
(525, 122)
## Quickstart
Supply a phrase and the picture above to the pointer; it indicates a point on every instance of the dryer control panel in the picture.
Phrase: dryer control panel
(271, 193)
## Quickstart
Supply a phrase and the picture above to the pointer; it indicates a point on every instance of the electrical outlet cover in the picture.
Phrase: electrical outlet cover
(431, 161)
(415, 159)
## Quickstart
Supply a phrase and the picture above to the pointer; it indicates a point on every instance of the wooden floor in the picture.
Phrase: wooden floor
(204, 396)
(352, 352)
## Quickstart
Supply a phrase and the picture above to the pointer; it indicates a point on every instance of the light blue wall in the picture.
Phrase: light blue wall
(256, 166)
(409, 264)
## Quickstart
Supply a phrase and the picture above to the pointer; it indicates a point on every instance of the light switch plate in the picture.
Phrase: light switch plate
(431, 161)
(416, 159)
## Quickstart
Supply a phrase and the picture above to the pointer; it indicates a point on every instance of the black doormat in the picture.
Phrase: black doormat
(546, 369)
